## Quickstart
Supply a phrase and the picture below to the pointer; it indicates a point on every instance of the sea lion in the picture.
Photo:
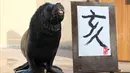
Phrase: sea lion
(40, 42)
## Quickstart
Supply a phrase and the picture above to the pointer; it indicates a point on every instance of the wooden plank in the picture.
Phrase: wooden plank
(84, 64)
(128, 37)
(123, 28)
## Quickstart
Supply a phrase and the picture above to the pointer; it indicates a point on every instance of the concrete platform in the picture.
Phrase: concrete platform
(12, 58)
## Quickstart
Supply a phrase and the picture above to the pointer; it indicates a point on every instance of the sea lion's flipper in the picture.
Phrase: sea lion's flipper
(55, 69)
(22, 67)
(54, 66)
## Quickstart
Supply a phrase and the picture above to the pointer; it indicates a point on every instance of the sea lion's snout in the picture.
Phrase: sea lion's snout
(59, 9)
(60, 12)
(57, 13)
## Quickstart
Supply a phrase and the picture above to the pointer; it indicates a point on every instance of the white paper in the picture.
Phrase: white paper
(93, 48)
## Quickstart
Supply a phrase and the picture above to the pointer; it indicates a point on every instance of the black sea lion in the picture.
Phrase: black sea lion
(40, 42)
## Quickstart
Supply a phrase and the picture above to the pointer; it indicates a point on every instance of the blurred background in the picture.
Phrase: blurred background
(15, 17)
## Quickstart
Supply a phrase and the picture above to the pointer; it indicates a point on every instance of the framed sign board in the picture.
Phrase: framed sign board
(94, 37)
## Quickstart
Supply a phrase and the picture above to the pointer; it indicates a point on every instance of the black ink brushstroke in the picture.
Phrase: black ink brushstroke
(90, 22)
(100, 42)
(92, 17)
(91, 30)
(96, 35)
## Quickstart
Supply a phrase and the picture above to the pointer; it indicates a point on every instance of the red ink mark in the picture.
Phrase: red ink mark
(105, 50)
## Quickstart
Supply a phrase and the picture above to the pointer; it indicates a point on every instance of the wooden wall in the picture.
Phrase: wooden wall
(123, 28)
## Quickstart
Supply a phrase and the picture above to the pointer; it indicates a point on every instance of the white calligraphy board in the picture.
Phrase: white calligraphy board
(93, 48)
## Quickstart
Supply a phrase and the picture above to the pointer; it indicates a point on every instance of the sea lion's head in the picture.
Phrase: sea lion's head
(52, 13)
(48, 16)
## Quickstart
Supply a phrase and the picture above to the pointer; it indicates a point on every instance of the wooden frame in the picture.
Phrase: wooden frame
(127, 2)
(83, 64)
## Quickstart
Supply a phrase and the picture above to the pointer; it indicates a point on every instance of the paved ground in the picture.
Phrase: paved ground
(11, 58)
